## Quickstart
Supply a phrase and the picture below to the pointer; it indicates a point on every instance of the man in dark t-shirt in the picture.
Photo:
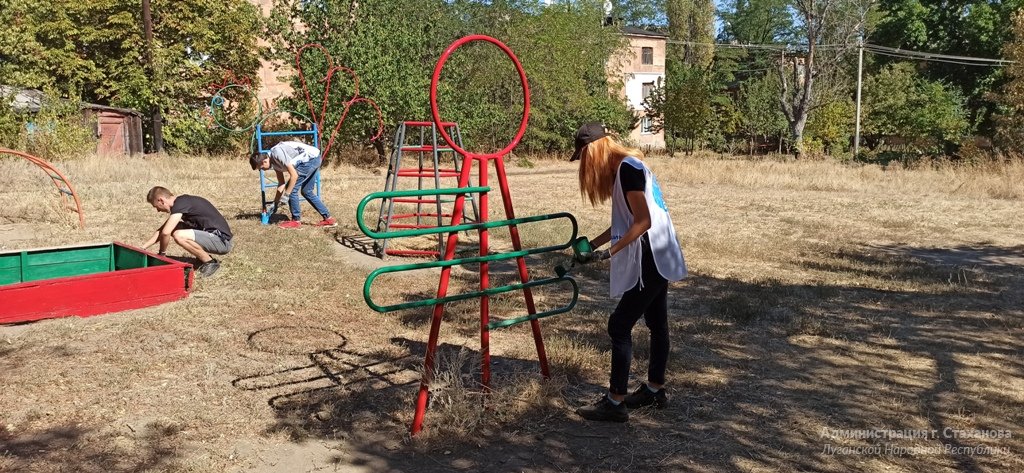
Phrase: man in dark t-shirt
(194, 224)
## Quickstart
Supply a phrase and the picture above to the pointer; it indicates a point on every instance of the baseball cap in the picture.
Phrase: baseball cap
(588, 133)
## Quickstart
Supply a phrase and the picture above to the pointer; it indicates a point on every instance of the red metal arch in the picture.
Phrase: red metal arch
(327, 80)
(59, 180)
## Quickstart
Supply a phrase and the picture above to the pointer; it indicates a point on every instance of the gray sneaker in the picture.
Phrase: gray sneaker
(208, 268)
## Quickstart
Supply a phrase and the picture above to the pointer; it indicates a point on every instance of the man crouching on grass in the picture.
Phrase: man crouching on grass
(194, 224)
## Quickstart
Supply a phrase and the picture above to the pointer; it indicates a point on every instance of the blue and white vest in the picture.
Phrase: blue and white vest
(668, 256)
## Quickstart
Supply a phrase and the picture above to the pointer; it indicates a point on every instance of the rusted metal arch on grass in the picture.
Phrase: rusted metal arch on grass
(60, 181)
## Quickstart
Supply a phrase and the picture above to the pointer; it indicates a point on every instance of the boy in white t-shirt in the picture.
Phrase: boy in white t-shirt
(300, 161)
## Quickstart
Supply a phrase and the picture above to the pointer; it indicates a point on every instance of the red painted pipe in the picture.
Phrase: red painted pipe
(522, 78)
(524, 275)
(444, 124)
(319, 119)
(482, 159)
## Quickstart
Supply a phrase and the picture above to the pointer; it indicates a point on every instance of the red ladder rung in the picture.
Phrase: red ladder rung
(414, 123)
(414, 173)
(409, 225)
(411, 215)
(412, 253)
(407, 200)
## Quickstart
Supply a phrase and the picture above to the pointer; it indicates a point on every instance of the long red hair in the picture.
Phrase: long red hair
(599, 163)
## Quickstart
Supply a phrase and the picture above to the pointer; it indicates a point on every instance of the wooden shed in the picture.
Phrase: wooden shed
(118, 130)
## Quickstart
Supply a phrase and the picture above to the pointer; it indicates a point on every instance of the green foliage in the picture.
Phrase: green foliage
(899, 102)
(757, 21)
(832, 125)
(691, 23)
(647, 14)
(95, 51)
(10, 124)
(976, 28)
(1009, 133)
(563, 51)
(759, 107)
(57, 130)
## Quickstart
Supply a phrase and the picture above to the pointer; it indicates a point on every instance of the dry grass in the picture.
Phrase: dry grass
(822, 296)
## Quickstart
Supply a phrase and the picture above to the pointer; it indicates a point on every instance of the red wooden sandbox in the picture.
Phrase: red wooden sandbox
(87, 280)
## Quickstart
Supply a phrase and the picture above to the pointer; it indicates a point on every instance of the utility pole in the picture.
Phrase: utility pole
(860, 75)
(158, 122)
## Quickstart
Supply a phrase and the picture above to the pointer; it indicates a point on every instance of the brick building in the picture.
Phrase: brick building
(641, 68)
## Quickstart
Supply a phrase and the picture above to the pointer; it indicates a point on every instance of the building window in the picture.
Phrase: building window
(646, 90)
(645, 125)
(647, 56)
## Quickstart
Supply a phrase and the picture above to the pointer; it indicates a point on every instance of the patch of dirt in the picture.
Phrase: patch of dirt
(11, 234)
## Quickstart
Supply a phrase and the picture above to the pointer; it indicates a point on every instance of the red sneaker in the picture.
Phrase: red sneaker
(290, 224)
(327, 222)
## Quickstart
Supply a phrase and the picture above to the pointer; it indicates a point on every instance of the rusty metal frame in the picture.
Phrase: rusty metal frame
(60, 181)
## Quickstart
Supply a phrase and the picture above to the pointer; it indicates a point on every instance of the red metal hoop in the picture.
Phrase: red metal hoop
(522, 78)
(327, 80)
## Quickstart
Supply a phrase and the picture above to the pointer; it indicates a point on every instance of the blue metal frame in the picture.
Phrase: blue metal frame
(265, 183)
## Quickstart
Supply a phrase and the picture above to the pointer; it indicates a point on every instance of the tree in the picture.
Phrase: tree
(1009, 133)
(758, 105)
(814, 77)
(831, 127)
(977, 28)
(899, 102)
(564, 52)
(93, 51)
(685, 111)
(757, 22)
(648, 14)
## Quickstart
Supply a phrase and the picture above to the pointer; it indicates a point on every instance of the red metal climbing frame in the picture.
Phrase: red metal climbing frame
(327, 80)
(59, 180)
(482, 161)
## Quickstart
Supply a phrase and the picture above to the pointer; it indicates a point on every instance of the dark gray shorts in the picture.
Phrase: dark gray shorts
(213, 243)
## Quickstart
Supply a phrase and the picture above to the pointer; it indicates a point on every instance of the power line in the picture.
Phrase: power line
(874, 48)
(772, 47)
(962, 63)
(934, 57)
(923, 55)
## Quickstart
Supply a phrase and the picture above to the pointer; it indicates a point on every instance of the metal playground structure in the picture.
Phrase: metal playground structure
(482, 226)
(262, 140)
(68, 196)
(419, 212)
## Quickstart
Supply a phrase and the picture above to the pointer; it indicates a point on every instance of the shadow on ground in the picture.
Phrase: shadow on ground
(146, 447)
(764, 375)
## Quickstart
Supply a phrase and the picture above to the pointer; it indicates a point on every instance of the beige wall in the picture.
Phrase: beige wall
(271, 87)
(627, 69)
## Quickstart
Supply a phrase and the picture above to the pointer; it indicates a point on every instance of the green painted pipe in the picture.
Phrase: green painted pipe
(458, 262)
(462, 261)
(417, 231)
(486, 292)
(547, 313)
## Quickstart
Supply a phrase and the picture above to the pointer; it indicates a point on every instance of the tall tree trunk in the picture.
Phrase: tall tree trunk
(796, 133)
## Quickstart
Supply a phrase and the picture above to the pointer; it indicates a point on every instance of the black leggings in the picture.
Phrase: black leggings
(651, 302)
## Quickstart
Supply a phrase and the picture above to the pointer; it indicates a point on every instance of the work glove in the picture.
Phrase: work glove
(592, 256)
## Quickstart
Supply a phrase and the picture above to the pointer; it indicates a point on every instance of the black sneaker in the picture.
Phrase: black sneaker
(208, 268)
(644, 397)
(604, 410)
